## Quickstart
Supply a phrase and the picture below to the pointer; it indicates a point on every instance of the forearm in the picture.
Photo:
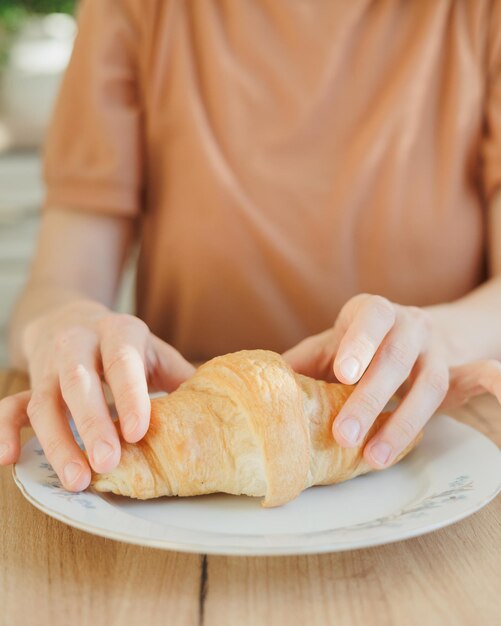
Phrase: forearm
(471, 325)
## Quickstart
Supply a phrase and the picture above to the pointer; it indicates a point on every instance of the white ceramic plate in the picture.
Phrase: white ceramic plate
(454, 472)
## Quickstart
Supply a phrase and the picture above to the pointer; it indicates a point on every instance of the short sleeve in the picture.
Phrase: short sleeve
(93, 150)
(491, 141)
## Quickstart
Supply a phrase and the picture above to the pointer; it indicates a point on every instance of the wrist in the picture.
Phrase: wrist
(446, 324)
(467, 330)
(41, 330)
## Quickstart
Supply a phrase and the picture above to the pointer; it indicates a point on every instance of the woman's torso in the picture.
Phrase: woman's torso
(299, 153)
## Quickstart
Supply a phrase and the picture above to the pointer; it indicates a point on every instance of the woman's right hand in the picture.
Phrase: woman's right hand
(69, 352)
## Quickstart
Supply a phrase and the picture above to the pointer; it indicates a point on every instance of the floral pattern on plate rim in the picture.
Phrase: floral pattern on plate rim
(457, 490)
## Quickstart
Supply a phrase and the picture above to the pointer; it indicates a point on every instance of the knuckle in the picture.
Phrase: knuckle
(120, 322)
(421, 317)
(9, 405)
(75, 376)
(65, 337)
(30, 332)
(437, 380)
(399, 355)
(361, 297)
(129, 392)
(353, 306)
(107, 322)
(426, 317)
(363, 346)
(40, 399)
(87, 424)
(110, 324)
(369, 403)
(405, 429)
(415, 311)
(116, 362)
(383, 308)
(53, 446)
(359, 300)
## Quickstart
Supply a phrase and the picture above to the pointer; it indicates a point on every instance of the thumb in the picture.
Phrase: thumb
(314, 356)
(166, 367)
(310, 357)
(13, 416)
(473, 379)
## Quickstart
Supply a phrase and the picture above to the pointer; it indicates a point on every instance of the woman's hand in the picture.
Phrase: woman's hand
(473, 379)
(382, 345)
(69, 352)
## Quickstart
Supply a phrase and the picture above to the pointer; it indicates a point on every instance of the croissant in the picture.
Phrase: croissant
(244, 423)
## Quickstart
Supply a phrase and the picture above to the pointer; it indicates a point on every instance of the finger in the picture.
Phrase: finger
(422, 400)
(123, 347)
(47, 415)
(314, 355)
(389, 368)
(357, 346)
(167, 368)
(13, 417)
(473, 379)
(82, 391)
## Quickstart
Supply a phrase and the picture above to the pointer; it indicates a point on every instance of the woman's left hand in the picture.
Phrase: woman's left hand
(382, 345)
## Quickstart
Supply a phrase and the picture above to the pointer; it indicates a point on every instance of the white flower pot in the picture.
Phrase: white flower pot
(30, 81)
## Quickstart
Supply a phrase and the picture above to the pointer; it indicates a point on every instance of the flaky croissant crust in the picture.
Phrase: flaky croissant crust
(244, 423)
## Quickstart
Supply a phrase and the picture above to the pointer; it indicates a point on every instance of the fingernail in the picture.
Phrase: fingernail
(381, 452)
(4, 447)
(102, 450)
(71, 472)
(130, 423)
(350, 429)
(350, 368)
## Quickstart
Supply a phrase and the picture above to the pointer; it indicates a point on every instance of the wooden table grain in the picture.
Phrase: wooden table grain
(53, 574)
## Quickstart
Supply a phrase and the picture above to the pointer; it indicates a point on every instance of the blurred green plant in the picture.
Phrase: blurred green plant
(14, 12)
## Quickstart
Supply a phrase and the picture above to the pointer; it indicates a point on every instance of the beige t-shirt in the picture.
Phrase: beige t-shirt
(283, 156)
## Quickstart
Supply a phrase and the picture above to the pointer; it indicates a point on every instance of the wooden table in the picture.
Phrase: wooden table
(53, 574)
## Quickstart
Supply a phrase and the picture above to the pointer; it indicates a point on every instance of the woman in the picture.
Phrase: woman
(278, 164)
